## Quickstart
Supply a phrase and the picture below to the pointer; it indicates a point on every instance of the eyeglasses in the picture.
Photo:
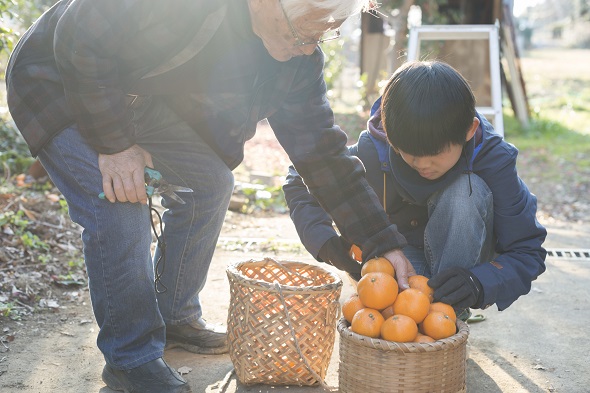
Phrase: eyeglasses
(335, 34)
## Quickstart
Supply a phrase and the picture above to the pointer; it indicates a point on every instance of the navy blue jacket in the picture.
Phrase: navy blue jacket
(404, 194)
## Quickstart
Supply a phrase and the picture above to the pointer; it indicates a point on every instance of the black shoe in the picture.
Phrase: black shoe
(198, 337)
(153, 377)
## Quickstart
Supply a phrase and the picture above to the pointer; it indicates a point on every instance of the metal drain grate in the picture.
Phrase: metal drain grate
(573, 253)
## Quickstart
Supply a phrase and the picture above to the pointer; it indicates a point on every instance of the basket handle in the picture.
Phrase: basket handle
(335, 304)
(291, 272)
(296, 341)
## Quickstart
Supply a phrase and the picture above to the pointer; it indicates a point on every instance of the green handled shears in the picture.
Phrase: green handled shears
(155, 184)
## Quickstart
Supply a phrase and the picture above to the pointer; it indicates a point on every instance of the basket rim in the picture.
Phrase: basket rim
(451, 342)
(233, 269)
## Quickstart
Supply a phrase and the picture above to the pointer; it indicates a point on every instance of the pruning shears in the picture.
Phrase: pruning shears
(155, 184)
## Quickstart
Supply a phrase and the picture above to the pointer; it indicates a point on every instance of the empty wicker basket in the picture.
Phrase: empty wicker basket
(282, 321)
(379, 366)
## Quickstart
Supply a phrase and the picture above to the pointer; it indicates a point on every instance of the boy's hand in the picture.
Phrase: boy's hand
(458, 287)
(335, 252)
(403, 267)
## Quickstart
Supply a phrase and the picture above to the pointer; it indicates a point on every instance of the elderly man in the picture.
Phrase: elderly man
(101, 89)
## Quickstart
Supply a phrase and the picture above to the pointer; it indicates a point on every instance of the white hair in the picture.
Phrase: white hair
(335, 9)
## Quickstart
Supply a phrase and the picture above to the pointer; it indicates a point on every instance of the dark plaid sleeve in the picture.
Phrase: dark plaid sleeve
(317, 147)
(88, 39)
(99, 44)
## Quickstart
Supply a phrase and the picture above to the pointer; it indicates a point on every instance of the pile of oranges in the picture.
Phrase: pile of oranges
(379, 310)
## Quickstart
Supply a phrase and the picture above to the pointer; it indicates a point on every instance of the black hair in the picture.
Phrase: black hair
(427, 106)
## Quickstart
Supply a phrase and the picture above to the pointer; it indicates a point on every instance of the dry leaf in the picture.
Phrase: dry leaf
(48, 303)
(184, 370)
(30, 214)
(20, 180)
(53, 198)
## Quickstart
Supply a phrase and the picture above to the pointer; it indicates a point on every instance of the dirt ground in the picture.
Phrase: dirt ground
(539, 344)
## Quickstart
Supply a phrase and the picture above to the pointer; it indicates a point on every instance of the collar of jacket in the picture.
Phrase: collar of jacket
(378, 135)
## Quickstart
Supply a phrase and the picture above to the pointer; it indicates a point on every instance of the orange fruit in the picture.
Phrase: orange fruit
(412, 303)
(356, 253)
(438, 325)
(422, 338)
(420, 283)
(378, 264)
(387, 312)
(377, 290)
(351, 306)
(367, 322)
(445, 309)
(399, 328)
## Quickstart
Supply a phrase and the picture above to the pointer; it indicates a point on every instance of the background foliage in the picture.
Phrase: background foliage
(15, 17)
(559, 100)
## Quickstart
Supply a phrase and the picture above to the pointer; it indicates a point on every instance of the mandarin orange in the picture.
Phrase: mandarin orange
(399, 328)
(356, 253)
(377, 290)
(438, 325)
(422, 338)
(420, 283)
(387, 312)
(367, 322)
(445, 309)
(378, 264)
(412, 303)
(351, 306)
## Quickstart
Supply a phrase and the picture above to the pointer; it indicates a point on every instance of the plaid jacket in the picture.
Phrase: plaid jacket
(79, 62)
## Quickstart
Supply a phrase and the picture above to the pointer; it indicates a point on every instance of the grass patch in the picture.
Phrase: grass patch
(547, 136)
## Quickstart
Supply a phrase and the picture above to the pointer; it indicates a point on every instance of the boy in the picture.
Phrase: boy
(449, 183)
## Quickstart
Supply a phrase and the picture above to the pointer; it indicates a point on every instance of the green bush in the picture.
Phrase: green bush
(334, 61)
(14, 153)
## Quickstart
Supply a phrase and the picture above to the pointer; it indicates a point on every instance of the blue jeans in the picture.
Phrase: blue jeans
(459, 231)
(117, 236)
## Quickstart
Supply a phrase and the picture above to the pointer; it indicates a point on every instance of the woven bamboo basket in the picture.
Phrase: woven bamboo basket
(282, 321)
(380, 366)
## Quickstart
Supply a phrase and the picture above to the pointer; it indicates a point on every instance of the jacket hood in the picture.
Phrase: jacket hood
(374, 124)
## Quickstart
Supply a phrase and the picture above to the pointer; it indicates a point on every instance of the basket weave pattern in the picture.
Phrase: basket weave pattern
(282, 321)
(380, 366)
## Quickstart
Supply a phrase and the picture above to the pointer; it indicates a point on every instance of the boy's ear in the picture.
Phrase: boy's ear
(472, 130)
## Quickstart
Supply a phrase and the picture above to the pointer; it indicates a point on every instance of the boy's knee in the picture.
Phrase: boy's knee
(465, 192)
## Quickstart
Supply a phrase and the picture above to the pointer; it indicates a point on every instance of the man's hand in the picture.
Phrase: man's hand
(335, 252)
(403, 267)
(123, 174)
(458, 287)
